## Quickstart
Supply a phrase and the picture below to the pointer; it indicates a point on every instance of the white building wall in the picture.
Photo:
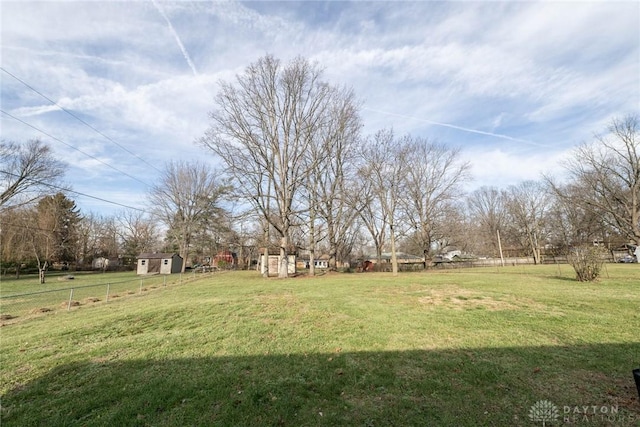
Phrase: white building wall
(143, 266)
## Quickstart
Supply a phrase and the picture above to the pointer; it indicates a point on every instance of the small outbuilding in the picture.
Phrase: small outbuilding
(271, 264)
(159, 263)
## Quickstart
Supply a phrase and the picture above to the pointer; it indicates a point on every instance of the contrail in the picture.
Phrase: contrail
(480, 132)
(175, 35)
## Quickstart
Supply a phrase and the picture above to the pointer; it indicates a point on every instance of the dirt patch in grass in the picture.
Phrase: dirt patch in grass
(8, 319)
(463, 299)
(92, 299)
(66, 304)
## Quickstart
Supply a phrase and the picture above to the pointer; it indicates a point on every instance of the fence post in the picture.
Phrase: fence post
(108, 286)
(70, 298)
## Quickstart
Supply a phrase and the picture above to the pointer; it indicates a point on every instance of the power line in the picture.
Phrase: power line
(74, 148)
(79, 119)
(75, 192)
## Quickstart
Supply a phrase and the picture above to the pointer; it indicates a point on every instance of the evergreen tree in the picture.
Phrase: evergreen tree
(60, 217)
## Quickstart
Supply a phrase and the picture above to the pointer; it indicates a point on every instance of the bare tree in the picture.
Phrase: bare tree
(39, 238)
(28, 239)
(26, 171)
(15, 231)
(263, 129)
(107, 237)
(527, 205)
(335, 158)
(383, 170)
(432, 178)
(137, 232)
(487, 208)
(608, 172)
(97, 237)
(571, 223)
(44, 233)
(186, 199)
(367, 204)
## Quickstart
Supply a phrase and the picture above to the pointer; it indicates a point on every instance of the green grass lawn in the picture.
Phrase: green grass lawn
(26, 298)
(60, 280)
(457, 347)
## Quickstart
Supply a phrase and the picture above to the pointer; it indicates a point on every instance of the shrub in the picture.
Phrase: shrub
(587, 261)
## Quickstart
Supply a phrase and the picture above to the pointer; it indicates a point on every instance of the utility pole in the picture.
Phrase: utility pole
(500, 248)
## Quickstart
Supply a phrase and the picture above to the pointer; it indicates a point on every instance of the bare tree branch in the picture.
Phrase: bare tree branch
(22, 170)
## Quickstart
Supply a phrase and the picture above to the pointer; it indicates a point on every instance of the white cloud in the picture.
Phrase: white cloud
(501, 168)
(547, 73)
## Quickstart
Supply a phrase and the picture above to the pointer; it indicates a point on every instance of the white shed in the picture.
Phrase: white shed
(159, 263)
(271, 264)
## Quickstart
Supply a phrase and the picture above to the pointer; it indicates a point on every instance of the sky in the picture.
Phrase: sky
(120, 88)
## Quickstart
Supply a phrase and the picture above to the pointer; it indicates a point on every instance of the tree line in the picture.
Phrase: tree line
(299, 175)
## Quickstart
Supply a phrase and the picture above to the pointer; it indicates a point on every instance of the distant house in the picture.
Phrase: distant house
(225, 259)
(403, 258)
(102, 263)
(321, 262)
(451, 254)
(159, 263)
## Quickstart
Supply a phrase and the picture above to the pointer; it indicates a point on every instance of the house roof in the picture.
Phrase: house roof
(399, 255)
(157, 255)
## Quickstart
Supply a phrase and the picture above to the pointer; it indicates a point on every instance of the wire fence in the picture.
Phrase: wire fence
(18, 307)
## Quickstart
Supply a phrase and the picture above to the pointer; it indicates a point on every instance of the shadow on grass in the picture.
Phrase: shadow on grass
(484, 386)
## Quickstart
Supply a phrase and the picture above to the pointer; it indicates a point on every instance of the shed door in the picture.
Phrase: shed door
(154, 266)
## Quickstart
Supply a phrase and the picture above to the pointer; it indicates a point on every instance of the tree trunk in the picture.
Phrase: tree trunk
(265, 255)
(379, 257)
(283, 271)
(534, 248)
(265, 262)
(333, 260)
(333, 248)
(425, 253)
(312, 243)
(184, 253)
(312, 261)
(394, 259)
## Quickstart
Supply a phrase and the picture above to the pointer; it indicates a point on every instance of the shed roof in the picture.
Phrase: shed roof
(157, 255)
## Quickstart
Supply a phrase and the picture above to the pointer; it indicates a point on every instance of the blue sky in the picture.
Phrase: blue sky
(516, 84)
